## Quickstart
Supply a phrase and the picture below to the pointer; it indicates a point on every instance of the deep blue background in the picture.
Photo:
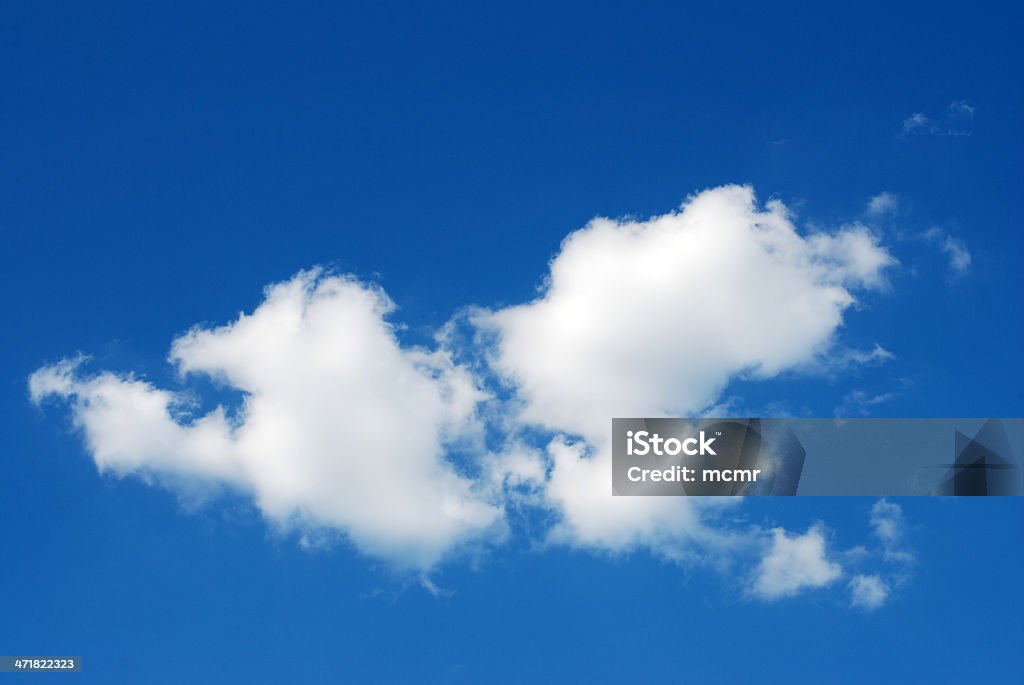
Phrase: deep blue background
(159, 166)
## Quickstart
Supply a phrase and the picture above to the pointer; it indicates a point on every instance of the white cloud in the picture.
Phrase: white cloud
(518, 465)
(434, 589)
(955, 249)
(847, 358)
(344, 430)
(961, 108)
(645, 318)
(915, 122)
(590, 517)
(654, 318)
(851, 256)
(889, 526)
(868, 592)
(341, 426)
(882, 204)
(794, 563)
(959, 256)
(887, 521)
(952, 122)
(859, 403)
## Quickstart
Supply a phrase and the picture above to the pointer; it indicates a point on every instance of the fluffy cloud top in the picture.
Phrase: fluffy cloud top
(654, 318)
(795, 563)
(650, 318)
(341, 427)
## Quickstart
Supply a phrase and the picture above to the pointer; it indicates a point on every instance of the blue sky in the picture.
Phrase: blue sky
(161, 167)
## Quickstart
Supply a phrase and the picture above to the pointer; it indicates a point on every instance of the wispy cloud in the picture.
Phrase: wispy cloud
(860, 403)
(959, 256)
(889, 527)
(955, 120)
(961, 108)
(955, 249)
(916, 122)
(434, 589)
(883, 204)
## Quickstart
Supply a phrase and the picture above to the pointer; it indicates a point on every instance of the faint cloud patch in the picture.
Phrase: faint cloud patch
(955, 120)
(434, 589)
(860, 403)
(795, 563)
(916, 122)
(868, 592)
(889, 526)
(844, 359)
(883, 204)
(961, 108)
(959, 257)
(955, 249)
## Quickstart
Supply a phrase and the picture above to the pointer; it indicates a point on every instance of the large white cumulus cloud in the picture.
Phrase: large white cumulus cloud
(341, 427)
(653, 318)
